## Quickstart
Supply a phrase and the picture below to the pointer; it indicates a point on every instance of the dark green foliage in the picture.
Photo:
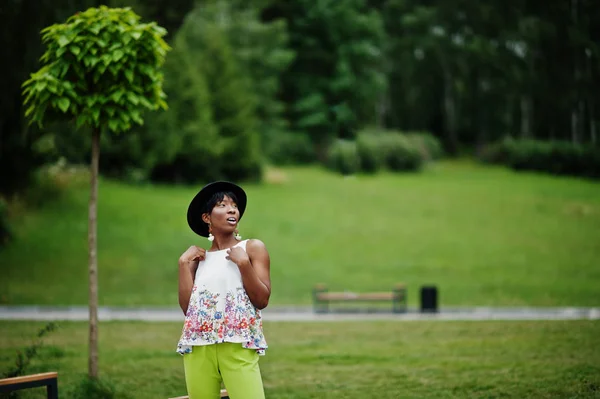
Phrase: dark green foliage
(400, 153)
(167, 13)
(556, 157)
(471, 71)
(262, 52)
(92, 388)
(396, 151)
(210, 130)
(467, 72)
(212, 123)
(427, 144)
(20, 25)
(377, 150)
(285, 148)
(5, 229)
(185, 136)
(370, 152)
(497, 152)
(343, 157)
(332, 87)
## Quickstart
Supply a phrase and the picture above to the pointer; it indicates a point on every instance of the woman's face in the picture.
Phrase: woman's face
(224, 216)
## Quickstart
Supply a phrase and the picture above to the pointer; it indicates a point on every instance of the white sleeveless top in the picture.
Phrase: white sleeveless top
(219, 308)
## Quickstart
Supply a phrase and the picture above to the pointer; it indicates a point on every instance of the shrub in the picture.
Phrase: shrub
(555, 157)
(497, 152)
(400, 153)
(286, 148)
(376, 150)
(427, 144)
(51, 181)
(343, 157)
(370, 152)
(88, 388)
(24, 357)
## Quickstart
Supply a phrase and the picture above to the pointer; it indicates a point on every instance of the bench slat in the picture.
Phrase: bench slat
(350, 296)
(322, 297)
(29, 378)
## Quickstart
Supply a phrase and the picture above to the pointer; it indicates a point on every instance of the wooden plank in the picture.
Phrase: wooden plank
(350, 296)
(29, 378)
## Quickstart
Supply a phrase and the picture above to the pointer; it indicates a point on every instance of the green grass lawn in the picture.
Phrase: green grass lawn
(484, 235)
(491, 359)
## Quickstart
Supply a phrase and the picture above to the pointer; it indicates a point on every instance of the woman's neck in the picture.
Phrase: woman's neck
(223, 242)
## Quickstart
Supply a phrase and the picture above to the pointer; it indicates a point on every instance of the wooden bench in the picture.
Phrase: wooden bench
(322, 297)
(224, 395)
(49, 380)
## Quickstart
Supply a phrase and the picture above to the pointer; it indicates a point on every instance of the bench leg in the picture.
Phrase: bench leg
(319, 305)
(52, 389)
(399, 301)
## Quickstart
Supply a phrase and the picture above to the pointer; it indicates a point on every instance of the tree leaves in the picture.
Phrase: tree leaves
(118, 54)
(339, 46)
(63, 41)
(63, 104)
(87, 58)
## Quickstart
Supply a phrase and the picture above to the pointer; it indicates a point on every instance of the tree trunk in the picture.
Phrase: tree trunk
(508, 117)
(93, 259)
(575, 125)
(525, 117)
(576, 119)
(382, 110)
(593, 137)
(481, 97)
(450, 112)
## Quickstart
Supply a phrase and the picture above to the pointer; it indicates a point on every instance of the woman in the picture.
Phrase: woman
(221, 292)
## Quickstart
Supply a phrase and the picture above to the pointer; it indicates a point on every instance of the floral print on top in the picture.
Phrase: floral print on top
(219, 309)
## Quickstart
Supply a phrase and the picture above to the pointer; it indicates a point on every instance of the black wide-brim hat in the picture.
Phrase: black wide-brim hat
(196, 208)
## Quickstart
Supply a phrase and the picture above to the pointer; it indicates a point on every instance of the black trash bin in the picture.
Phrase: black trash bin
(429, 299)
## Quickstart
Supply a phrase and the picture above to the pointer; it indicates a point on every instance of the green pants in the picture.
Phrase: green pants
(236, 366)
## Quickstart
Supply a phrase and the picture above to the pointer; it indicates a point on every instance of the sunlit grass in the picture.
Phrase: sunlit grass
(485, 236)
(486, 359)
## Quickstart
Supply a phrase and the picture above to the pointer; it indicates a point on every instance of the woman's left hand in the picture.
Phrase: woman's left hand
(237, 255)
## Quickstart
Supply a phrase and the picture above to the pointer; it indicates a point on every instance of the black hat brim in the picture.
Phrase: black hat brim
(196, 207)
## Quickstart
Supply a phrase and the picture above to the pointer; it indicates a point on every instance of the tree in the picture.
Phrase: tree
(213, 110)
(20, 24)
(335, 82)
(190, 121)
(261, 49)
(101, 68)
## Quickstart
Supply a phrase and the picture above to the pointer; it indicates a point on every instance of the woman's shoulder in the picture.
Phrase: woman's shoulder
(255, 244)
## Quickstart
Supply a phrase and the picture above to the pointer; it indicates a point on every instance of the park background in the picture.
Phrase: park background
(447, 142)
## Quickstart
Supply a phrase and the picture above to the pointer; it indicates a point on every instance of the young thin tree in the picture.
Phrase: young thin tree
(101, 69)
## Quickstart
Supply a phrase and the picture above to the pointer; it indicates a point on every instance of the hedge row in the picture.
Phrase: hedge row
(555, 157)
(375, 151)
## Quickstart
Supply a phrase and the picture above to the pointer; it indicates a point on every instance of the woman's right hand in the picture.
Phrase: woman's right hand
(192, 257)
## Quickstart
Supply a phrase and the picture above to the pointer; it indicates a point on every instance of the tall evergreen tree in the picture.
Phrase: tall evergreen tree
(333, 86)
(213, 117)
